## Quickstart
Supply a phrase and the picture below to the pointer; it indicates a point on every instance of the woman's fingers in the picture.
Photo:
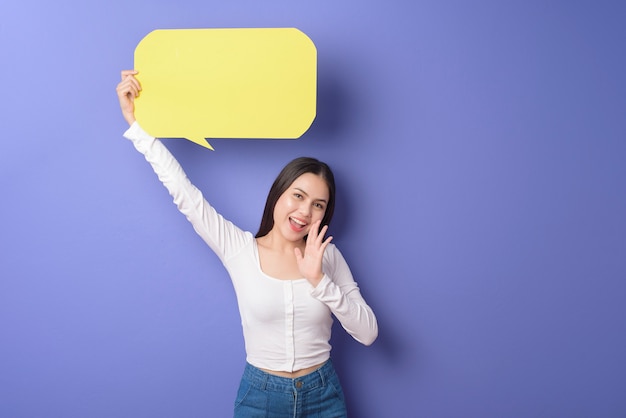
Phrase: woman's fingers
(320, 236)
(309, 263)
(314, 232)
(126, 73)
(127, 90)
(315, 240)
(129, 84)
(310, 260)
(316, 235)
(325, 244)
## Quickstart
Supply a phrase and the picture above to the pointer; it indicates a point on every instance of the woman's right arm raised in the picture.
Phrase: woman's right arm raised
(219, 234)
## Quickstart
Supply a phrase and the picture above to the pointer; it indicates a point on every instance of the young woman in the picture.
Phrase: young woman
(289, 280)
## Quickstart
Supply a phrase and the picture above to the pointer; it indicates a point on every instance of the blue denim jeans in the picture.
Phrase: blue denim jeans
(318, 394)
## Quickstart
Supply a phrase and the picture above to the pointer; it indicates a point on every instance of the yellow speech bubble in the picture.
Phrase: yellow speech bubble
(226, 83)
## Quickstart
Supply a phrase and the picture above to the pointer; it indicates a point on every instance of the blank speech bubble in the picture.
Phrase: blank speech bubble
(226, 83)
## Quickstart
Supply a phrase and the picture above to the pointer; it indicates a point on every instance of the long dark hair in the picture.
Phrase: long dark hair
(285, 178)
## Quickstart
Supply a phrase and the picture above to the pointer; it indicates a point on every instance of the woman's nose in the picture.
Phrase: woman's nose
(305, 209)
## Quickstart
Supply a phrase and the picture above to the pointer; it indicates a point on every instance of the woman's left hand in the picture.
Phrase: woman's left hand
(310, 263)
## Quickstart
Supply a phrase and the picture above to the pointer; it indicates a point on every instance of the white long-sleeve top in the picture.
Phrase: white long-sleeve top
(286, 323)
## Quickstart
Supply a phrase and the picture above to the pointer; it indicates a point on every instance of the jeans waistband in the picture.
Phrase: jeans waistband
(266, 381)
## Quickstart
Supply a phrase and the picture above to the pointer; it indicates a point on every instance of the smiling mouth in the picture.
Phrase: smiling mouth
(297, 224)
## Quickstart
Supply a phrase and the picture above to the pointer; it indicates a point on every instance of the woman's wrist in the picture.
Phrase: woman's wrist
(130, 119)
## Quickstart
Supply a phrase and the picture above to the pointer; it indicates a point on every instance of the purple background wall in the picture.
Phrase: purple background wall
(480, 150)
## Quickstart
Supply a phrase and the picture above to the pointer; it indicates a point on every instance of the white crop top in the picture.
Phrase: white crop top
(286, 323)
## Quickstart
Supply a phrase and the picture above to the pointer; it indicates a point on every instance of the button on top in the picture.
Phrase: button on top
(299, 384)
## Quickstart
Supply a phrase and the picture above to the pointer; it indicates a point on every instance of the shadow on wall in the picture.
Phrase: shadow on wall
(335, 116)
(332, 109)
(388, 350)
(328, 129)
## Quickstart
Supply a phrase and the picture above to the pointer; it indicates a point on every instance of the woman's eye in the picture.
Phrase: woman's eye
(297, 195)
(319, 206)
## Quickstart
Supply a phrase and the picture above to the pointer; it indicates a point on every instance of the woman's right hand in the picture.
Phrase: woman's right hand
(127, 90)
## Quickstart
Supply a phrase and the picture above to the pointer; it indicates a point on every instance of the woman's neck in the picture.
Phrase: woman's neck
(276, 242)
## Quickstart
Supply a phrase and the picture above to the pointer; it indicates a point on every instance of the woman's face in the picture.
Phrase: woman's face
(301, 205)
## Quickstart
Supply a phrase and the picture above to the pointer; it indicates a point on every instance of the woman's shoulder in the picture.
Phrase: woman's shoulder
(332, 253)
